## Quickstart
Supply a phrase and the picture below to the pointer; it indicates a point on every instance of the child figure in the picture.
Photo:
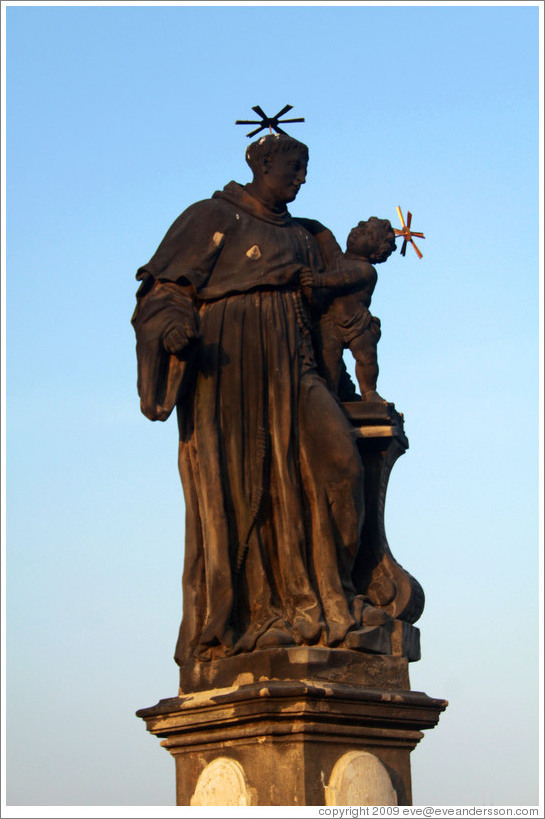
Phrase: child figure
(347, 322)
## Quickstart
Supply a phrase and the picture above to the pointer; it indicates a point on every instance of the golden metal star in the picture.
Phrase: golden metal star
(407, 233)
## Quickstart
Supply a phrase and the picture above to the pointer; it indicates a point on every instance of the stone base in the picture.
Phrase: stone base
(316, 663)
(294, 742)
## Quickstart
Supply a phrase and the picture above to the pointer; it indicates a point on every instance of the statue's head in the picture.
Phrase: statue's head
(373, 239)
(279, 165)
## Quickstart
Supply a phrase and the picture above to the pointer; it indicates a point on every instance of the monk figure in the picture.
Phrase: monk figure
(272, 478)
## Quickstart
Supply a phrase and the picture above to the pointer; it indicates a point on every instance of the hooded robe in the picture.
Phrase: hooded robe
(272, 479)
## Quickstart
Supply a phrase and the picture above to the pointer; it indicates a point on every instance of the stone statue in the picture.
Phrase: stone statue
(346, 321)
(229, 332)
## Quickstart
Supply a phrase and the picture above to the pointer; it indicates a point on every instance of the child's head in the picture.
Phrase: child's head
(373, 239)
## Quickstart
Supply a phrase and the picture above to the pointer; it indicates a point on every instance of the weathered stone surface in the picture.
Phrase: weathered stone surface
(360, 778)
(381, 440)
(315, 663)
(222, 783)
(299, 728)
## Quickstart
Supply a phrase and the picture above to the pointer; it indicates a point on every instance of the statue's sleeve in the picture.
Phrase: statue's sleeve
(190, 247)
(171, 280)
(162, 378)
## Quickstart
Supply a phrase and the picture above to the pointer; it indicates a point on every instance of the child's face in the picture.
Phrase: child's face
(385, 248)
(375, 242)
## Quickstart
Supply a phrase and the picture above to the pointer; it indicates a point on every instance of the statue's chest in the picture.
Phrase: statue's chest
(255, 248)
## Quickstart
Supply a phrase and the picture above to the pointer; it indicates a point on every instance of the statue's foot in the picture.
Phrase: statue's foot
(336, 632)
(277, 635)
(308, 630)
(373, 616)
(372, 396)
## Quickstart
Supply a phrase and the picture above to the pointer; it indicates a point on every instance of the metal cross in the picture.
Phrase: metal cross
(407, 233)
(268, 122)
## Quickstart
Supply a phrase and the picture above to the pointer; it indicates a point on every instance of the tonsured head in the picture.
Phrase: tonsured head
(279, 164)
(373, 239)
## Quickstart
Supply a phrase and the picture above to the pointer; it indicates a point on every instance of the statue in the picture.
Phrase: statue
(230, 332)
(297, 626)
(346, 321)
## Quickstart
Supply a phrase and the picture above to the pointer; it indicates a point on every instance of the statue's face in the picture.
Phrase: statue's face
(283, 175)
(374, 240)
(386, 246)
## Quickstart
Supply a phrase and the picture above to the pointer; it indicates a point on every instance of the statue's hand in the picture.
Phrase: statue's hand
(309, 284)
(177, 339)
(307, 278)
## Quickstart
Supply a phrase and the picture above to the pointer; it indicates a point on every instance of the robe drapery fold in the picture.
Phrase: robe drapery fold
(272, 480)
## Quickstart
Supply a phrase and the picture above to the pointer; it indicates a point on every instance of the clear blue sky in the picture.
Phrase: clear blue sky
(118, 118)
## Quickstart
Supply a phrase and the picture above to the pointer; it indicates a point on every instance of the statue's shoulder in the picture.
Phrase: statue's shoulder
(312, 225)
(214, 205)
(326, 241)
(199, 216)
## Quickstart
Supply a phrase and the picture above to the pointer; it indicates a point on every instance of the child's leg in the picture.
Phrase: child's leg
(364, 350)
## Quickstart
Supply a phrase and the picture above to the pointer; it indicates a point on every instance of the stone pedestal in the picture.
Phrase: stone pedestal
(313, 725)
(381, 440)
(294, 742)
